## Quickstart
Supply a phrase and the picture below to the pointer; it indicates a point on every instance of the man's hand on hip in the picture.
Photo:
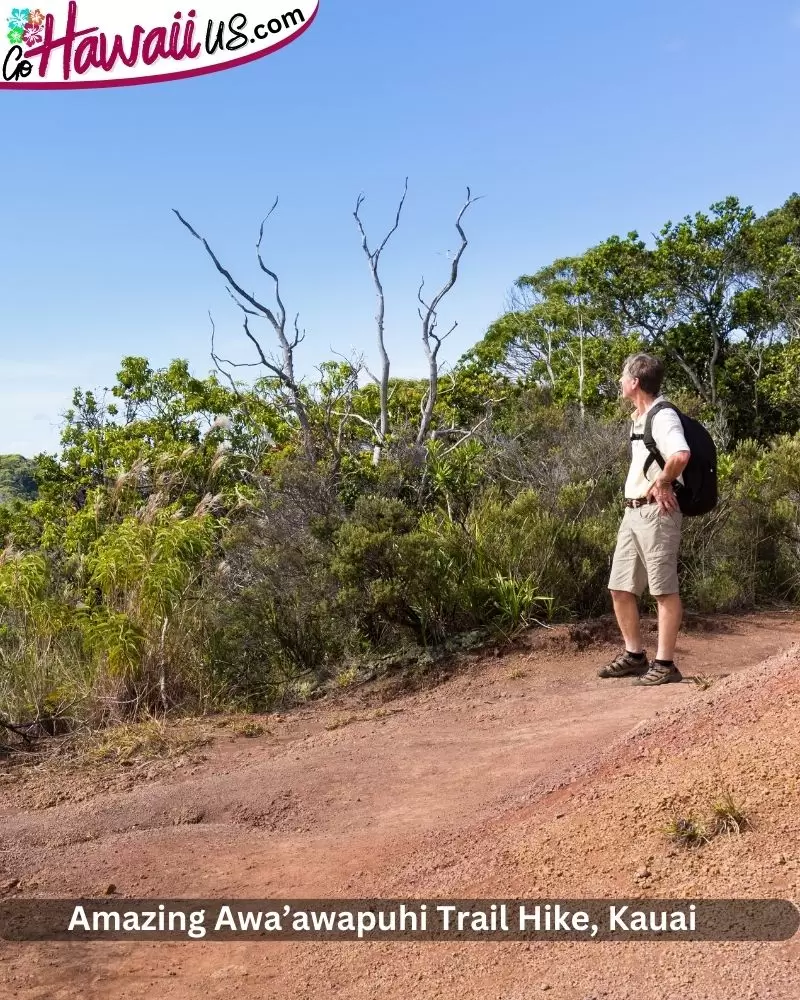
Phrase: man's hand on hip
(664, 495)
(661, 490)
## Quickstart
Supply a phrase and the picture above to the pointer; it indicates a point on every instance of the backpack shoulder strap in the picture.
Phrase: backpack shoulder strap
(649, 441)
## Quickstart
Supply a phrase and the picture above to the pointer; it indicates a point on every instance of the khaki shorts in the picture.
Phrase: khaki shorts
(647, 551)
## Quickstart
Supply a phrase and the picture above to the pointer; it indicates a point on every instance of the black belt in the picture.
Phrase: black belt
(640, 503)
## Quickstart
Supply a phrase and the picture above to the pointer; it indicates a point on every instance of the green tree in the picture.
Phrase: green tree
(17, 478)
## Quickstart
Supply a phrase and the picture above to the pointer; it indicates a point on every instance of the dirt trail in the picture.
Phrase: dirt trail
(467, 788)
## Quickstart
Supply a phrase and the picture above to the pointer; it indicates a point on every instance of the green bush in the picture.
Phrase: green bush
(747, 552)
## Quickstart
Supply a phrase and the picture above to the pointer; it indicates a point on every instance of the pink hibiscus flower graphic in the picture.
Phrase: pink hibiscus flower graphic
(33, 34)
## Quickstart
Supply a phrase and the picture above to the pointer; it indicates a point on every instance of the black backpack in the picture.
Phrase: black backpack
(698, 494)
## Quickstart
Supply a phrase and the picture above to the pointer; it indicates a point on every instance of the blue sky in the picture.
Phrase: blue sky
(572, 120)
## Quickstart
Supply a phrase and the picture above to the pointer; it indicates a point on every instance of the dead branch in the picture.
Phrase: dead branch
(356, 416)
(373, 258)
(464, 434)
(18, 730)
(218, 361)
(251, 306)
(431, 341)
(470, 433)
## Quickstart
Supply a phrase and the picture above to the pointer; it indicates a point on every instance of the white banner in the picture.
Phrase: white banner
(94, 43)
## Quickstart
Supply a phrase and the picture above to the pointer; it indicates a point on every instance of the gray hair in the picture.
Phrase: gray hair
(648, 369)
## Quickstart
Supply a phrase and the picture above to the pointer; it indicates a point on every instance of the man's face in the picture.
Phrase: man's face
(627, 384)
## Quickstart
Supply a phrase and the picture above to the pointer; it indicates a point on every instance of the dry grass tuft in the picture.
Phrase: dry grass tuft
(142, 741)
(728, 815)
(687, 831)
(341, 721)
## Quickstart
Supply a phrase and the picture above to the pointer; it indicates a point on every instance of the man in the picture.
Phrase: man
(649, 536)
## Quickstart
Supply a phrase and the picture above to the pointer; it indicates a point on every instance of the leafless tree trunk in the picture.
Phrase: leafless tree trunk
(431, 341)
(581, 367)
(282, 368)
(373, 258)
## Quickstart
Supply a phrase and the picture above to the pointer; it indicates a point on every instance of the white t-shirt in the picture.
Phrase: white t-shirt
(669, 437)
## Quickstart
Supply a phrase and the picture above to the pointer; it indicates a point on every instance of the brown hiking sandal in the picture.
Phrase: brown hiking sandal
(624, 665)
(659, 674)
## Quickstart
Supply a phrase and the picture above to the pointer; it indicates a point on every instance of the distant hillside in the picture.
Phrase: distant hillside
(16, 478)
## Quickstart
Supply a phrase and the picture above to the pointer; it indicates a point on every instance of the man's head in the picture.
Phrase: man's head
(642, 373)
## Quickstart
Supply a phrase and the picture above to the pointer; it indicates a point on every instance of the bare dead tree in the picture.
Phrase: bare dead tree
(431, 341)
(373, 259)
(283, 367)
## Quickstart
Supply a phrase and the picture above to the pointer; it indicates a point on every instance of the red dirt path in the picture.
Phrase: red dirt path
(550, 784)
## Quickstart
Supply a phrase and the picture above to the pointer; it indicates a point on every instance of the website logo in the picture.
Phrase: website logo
(93, 43)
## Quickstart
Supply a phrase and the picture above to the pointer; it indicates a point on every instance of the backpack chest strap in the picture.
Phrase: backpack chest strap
(654, 454)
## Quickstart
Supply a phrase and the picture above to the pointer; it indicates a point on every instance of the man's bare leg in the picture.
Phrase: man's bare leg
(626, 608)
(670, 616)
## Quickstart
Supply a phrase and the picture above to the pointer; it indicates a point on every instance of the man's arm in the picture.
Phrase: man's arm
(662, 489)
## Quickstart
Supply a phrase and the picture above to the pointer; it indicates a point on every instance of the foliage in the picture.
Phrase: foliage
(193, 547)
(17, 479)
(716, 294)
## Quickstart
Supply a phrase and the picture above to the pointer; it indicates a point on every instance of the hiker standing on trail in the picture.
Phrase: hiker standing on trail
(650, 533)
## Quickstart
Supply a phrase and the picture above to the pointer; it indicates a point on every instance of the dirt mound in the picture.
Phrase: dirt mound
(523, 775)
